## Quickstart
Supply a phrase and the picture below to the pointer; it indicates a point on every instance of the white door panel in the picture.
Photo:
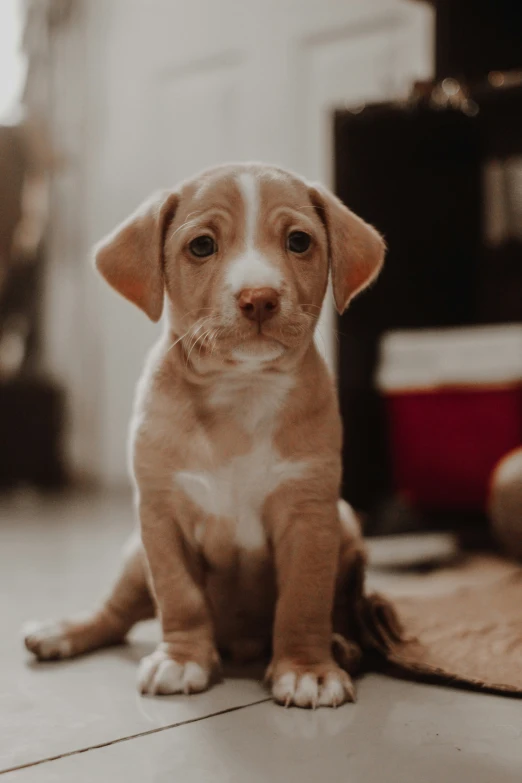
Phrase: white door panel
(178, 86)
(196, 119)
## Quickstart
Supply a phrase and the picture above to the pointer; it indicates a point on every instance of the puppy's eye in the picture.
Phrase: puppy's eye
(202, 246)
(298, 241)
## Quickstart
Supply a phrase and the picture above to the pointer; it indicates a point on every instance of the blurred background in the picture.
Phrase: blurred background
(411, 111)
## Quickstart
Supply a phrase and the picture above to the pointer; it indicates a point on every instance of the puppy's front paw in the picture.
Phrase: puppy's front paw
(322, 685)
(160, 674)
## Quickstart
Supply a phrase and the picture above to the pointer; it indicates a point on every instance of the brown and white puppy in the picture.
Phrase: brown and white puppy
(236, 437)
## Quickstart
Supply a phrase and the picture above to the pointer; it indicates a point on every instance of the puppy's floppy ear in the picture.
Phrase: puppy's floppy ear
(356, 249)
(131, 259)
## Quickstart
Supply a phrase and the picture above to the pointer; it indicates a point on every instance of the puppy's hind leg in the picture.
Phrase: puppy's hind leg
(129, 602)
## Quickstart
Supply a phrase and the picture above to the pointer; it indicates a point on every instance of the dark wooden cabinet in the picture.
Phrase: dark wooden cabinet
(419, 175)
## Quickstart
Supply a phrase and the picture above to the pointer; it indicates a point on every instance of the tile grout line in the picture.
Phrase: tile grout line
(157, 730)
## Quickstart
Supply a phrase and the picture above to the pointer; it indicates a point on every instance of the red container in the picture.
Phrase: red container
(454, 400)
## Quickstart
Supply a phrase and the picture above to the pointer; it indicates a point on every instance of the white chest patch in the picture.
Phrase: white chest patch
(239, 488)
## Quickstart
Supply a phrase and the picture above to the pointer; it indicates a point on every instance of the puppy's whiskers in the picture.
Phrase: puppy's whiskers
(188, 331)
(177, 341)
(204, 340)
(319, 334)
(310, 304)
(196, 335)
(196, 310)
(198, 338)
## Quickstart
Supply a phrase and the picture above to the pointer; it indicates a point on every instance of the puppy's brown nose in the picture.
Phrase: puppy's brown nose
(258, 304)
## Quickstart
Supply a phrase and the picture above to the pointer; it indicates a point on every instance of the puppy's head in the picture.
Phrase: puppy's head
(242, 253)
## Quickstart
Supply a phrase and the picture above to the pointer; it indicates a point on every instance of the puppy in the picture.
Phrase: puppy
(236, 437)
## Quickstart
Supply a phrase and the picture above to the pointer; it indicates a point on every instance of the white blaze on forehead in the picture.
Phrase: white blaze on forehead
(249, 188)
(251, 269)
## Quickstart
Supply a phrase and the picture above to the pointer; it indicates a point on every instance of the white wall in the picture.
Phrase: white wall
(12, 65)
(165, 89)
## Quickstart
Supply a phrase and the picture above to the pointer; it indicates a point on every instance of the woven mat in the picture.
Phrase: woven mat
(461, 624)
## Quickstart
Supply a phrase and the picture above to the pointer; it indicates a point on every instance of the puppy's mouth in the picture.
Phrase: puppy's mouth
(258, 347)
(242, 340)
(270, 339)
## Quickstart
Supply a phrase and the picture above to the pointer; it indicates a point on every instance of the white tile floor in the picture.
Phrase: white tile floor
(83, 720)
